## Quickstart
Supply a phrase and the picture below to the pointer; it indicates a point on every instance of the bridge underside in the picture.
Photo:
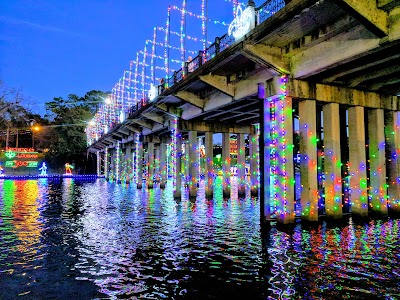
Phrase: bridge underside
(319, 81)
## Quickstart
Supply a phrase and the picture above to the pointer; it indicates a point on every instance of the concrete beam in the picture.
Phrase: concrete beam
(169, 110)
(151, 139)
(360, 68)
(158, 127)
(123, 131)
(110, 139)
(374, 75)
(214, 127)
(388, 4)
(105, 142)
(154, 117)
(377, 86)
(333, 94)
(333, 52)
(268, 56)
(368, 14)
(117, 135)
(220, 83)
(191, 112)
(249, 87)
(217, 100)
(143, 123)
(190, 98)
(394, 23)
(133, 128)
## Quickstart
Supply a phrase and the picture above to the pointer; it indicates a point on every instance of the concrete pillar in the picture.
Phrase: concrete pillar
(226, 164)
(139, 166)
(106, 153)
(128, 164)
(193, 163)
(332, 161)
(98, 163)
(241, 163)
(178, 167)
(157, 162)
(186, 164)
(377, 161)
(163, 164)
(267, 195)
(308, 163)
(254, 151)
(117, 160)
(209, 171)
(150, 164)
(284, 117)
(392, 135)
(357, 162)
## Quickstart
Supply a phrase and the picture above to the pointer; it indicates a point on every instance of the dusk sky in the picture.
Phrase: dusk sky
(52, 48)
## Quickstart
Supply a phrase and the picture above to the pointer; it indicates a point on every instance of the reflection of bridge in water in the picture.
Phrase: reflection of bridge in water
(324, 76)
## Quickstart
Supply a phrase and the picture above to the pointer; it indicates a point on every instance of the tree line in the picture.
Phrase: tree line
(59, 134)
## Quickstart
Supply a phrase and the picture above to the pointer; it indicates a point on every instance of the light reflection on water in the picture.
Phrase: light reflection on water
(74, 240)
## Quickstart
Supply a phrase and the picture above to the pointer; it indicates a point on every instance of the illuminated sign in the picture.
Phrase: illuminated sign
(27, 155)
(21, 163)
(20, 149)
(11, 154)
(233, 146)
(244, 22)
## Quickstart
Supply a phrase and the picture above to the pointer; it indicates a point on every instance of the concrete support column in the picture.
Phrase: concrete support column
(308, 162)
(157, 162)
(117, 160)
(139, 164)
(128, 163)
(267, 194)
(285, 166)
(392, 134)
(98, 163)
(163, 165)
(241, 163)
(106, 153)
(178, 167)
(253, 151)
(193, 163)
(186, 164)
(377, 165)
(209, 171)
(111, 161)
(357, 162)
(332, 161)
(150, 164)
(226, 164)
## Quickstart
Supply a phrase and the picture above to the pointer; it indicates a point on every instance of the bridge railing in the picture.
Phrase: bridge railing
(268, 8)
(265, 11)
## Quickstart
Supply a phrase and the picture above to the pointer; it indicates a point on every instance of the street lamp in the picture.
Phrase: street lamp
(34, 128)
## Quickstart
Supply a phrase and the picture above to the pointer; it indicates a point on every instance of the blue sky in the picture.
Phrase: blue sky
(51, 48)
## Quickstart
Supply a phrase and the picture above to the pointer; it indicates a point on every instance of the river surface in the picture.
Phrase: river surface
(68, 239)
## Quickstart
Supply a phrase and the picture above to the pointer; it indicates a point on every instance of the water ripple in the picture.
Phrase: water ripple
(96, 240)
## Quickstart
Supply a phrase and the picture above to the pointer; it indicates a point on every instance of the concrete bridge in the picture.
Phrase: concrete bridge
(313, 87)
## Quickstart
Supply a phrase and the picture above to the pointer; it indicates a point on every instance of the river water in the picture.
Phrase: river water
(96, 240)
